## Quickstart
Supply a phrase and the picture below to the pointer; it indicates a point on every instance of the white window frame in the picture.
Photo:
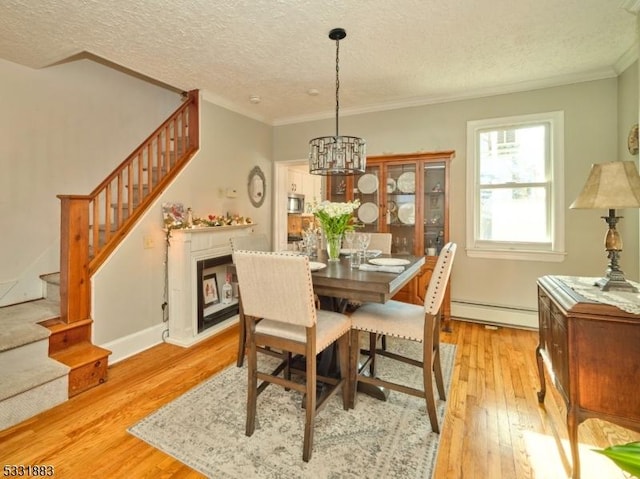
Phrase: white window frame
(553, 251)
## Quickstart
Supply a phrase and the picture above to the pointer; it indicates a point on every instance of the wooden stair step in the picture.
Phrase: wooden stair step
(88, 364)
(65, 335)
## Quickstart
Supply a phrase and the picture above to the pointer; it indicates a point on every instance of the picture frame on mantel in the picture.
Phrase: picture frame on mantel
(210, 294)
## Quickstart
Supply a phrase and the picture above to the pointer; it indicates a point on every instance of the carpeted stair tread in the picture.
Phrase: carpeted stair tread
(23, 376)
(18, 323)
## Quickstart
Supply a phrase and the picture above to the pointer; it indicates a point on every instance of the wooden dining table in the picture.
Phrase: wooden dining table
(343, 283)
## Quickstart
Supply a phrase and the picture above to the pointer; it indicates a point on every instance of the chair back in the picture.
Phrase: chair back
(276, 286)
(381, 241)
(439, 279)
(252, 242)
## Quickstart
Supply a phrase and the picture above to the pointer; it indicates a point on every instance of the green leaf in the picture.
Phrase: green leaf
(626, 456)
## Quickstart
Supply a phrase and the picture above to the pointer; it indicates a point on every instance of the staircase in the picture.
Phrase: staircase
(46, 350)
(31, 381)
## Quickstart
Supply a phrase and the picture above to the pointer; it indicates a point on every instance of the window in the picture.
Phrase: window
(515, 200)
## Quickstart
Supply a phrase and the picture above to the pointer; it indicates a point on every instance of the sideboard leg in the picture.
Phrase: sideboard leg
(572, 428)
(543, 387)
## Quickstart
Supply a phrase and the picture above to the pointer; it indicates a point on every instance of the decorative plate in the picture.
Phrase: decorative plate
(368, 183)
(368, 212)
(315, 266)
(389, 261)
(407, 213)
(407, 182)
(391, 185)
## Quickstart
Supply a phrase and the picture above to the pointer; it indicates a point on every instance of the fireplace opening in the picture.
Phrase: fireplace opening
(217, 294)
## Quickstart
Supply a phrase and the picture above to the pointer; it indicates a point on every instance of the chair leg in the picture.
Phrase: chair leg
(345, 371)
(437, 371)
(310, 408)
(252, 381)
(427, 378)
(373, 344)
(354, 362)
(429, 398)
(242, 337)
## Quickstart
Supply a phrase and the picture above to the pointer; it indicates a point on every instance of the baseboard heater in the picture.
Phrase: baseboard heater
(494, 314)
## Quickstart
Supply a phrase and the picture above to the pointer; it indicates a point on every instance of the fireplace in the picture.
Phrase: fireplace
(197, 270)
(215, 303)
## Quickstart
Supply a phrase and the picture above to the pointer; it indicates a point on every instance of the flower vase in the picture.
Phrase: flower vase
(334, 242)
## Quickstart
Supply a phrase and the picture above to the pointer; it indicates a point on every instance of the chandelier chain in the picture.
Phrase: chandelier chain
(337, 84)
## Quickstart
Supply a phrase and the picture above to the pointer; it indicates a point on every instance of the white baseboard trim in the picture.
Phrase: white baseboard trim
(498, 315)
(125, 347)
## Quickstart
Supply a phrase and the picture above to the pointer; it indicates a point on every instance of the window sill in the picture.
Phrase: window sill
(518, 255)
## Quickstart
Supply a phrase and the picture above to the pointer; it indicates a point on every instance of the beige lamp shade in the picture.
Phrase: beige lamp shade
(612, 185)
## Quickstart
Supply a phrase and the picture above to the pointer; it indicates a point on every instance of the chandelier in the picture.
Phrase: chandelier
(337, 155)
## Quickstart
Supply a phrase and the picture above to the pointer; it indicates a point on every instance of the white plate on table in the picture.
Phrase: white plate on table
(407, 182)
(368, 183)
(316, 266)
(368, 212)
(407, 213)
(389, 261)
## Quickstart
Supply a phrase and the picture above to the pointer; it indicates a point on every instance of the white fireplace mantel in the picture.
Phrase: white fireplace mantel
(187, 247)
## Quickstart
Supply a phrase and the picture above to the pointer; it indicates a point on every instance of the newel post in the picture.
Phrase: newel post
(75, 287)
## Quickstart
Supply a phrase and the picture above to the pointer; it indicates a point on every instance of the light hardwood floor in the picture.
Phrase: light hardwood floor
(494, 427)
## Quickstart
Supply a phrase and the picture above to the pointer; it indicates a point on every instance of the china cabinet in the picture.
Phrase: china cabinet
(406, 195)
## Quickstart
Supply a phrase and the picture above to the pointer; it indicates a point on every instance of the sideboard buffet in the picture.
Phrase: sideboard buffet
(591, 350)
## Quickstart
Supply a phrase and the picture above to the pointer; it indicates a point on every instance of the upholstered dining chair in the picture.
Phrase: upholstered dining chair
(381, 241)
(277, 287)
(407, 322)
(252, 242)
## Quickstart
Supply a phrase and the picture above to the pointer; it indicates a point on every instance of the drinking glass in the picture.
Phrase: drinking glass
(363, 240)
(349, 242)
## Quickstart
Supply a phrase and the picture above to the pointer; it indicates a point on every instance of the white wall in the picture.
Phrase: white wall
(591, 136)
(64, 128)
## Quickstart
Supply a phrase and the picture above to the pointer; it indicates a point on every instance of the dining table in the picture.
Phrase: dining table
(342, 283)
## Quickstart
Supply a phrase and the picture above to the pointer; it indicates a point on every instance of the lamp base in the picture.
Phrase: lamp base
(616, 284)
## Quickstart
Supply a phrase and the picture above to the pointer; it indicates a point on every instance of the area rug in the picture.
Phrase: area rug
(204, 429)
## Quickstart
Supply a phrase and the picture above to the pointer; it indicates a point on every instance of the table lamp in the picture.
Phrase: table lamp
(611, 186)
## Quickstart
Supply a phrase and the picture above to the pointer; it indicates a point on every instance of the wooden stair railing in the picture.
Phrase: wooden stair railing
(93, 225)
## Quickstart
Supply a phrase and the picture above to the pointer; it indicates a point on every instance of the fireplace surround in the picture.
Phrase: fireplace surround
(196, 264)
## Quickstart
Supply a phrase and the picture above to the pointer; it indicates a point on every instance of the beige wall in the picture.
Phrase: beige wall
(627, 117)
(127, 311)
(63, 129)
(591, 136)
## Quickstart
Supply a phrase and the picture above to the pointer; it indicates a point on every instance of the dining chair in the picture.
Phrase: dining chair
(278, 288)
(252, 242)
(407, 322)
(381, 241)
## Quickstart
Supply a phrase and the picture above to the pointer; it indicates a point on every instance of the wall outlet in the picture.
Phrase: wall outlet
(147, 242)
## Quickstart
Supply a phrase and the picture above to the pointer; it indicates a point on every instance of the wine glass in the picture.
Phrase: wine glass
(363, 240)
(349, 240)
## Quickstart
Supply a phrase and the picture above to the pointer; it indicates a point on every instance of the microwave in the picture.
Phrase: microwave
(295, 203)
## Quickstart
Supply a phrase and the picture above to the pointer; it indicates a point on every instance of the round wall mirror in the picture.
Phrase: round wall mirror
(257, 187)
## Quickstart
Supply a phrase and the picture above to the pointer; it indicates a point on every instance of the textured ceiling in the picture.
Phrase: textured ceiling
(397, 52)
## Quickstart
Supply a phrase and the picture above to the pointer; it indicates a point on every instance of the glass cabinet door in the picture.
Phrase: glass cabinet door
(368, 189)
(401, 206)
(434, 207)
(338, 188)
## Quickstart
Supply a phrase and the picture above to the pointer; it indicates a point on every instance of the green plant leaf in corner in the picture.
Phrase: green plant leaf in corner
(626, 456)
